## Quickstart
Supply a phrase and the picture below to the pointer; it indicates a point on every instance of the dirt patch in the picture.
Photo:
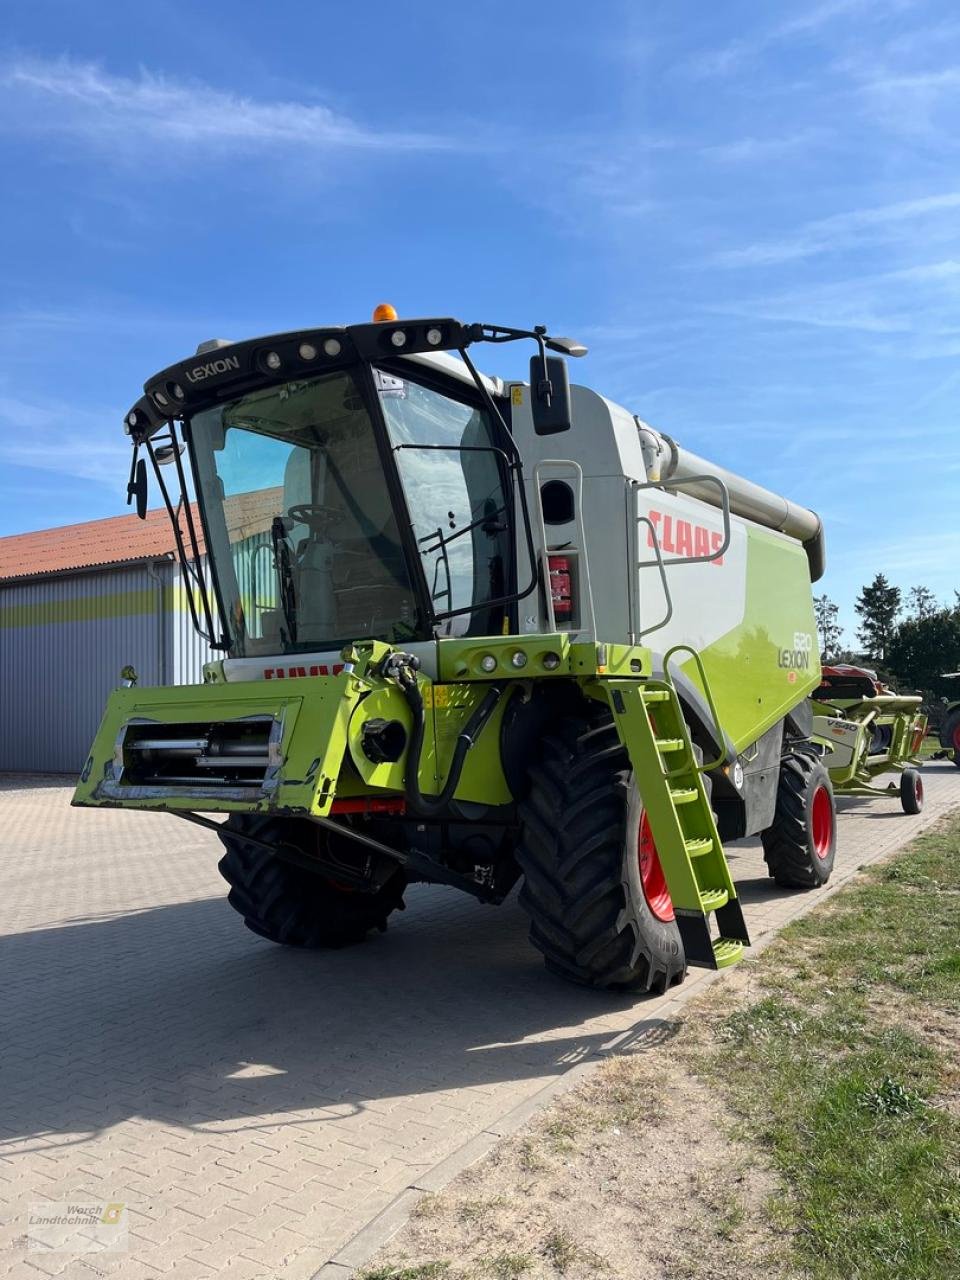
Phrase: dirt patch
(633, 1174)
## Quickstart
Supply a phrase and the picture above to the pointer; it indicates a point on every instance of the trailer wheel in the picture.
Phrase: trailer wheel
(290, 904)
(911, 791)
(600, 912)
(801, 845)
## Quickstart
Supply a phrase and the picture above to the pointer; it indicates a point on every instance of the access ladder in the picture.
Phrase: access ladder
(651, 725)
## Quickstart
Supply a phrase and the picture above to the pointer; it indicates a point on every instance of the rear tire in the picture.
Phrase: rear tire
(599, 911)
(801, 845)
(950, 737)
(911, 791)
(290, 904)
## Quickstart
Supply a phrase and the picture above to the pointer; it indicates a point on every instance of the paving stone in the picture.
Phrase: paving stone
(258, 1108)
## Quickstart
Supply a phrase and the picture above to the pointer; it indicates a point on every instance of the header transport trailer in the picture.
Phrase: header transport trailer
(473, 632)
(869, 730)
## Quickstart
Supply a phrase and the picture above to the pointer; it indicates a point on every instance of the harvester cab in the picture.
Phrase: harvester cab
(471, 632)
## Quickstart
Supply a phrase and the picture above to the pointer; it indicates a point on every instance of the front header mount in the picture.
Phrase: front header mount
(222, 368)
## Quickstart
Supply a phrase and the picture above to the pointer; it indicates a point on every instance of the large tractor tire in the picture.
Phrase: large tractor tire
(950, 736)
(801, 845)
(291, 904)
(600, 913)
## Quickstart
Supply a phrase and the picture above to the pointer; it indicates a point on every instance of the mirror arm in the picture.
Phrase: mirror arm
(544, 386)
(131, 483)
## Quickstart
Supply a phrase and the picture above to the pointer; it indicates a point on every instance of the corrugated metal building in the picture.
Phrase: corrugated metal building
(77, 604)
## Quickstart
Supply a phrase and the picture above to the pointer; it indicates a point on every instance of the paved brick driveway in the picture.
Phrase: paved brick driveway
(254, 1107)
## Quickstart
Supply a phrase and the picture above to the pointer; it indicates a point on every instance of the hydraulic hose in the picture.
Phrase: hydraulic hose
(433, 806)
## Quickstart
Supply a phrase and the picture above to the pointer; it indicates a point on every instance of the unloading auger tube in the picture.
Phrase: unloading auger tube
(667, 462)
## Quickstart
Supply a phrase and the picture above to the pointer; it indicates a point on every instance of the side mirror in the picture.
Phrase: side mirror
(550, 396)
(137, 488)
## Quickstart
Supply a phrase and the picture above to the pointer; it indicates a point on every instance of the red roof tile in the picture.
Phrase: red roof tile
(85, 546)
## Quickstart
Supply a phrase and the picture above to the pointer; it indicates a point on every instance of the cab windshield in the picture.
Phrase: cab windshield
(303, 533)
(303, 528)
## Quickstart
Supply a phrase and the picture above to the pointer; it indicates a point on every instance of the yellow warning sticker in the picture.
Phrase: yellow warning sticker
(516, 394)
(437, 695)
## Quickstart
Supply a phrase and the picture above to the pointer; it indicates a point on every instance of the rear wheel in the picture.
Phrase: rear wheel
(911, 791)
(950, 738)
(291, 904)
(800, 846)
(600, 912)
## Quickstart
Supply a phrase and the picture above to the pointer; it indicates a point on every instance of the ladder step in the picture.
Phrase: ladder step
(655, 695)
(669, 744)
(697, 848)
(713, 899)
(727, 951)
(683, 795)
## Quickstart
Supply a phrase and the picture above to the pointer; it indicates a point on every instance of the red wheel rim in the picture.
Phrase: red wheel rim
(918, 789)
(956, 738)
(651, 874)
(822, 822)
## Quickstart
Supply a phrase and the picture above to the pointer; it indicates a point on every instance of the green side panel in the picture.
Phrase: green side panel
(482, 779)
(448, 708)
(308, 724)
(758, 671)
(549, 656)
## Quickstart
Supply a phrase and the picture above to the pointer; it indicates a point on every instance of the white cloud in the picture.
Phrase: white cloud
(747, 150)
(840, 231)
(82, 101)
(731, 57)
(57, 437)
(916, 307)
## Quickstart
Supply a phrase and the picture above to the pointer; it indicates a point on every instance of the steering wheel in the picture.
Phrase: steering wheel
(317, 518)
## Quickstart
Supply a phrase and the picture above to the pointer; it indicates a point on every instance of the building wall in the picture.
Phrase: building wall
(63, 643)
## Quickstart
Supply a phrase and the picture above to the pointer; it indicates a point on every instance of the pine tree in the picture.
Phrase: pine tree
(828, 628)
(878, 605)
(923, 603)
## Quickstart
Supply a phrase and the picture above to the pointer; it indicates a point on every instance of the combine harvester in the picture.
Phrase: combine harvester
(868, 730)
(473, 632)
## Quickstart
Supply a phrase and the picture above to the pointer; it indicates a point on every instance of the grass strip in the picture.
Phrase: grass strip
(846, 1070)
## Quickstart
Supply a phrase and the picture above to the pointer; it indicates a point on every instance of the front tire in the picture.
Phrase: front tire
(599, 910)
(291, 904)
(911, 791)
(801, 845)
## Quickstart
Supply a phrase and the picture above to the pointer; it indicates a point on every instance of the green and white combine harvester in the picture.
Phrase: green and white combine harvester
(472, 632)
(868, 730)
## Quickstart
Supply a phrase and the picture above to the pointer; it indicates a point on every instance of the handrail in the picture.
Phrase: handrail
(663, 578)
(724, 508)
(542, 529)
(685, 648)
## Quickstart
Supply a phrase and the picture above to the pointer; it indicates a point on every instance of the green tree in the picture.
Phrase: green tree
(922, 649)
(828, 628)
(878, 605)
(922, 603)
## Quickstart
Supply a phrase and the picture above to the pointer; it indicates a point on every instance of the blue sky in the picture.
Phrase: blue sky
(751, 213)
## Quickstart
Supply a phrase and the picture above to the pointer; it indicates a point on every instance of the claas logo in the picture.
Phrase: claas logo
(684, 537)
